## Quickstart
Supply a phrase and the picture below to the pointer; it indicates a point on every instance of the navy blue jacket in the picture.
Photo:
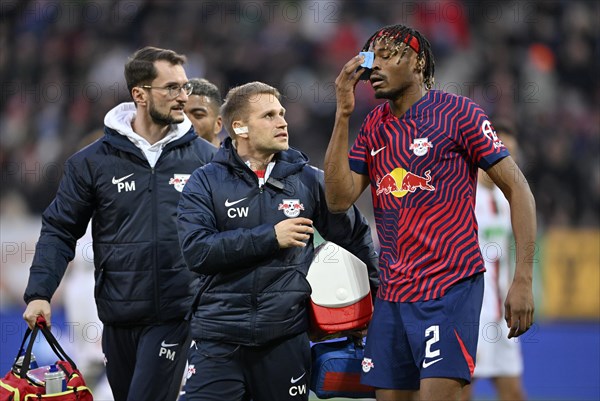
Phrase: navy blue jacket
(256, 291)
(141, 277)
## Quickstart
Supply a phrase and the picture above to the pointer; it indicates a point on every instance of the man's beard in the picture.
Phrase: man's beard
(390, 94)
(393, 94)
(162, 119)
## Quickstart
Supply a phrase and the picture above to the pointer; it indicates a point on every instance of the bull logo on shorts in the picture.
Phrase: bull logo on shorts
(367, 365)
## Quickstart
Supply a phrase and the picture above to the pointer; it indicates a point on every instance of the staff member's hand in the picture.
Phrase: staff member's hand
(294, 232)
(35, 308)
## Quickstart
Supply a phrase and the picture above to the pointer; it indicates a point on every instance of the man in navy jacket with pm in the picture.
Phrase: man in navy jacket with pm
(245, 224)
(129, 183)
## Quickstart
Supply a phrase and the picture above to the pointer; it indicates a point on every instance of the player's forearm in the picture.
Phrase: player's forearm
(524, 228)
(338, 178)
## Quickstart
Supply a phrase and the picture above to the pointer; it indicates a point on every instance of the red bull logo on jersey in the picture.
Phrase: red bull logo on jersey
(400, 182)
(291, 207)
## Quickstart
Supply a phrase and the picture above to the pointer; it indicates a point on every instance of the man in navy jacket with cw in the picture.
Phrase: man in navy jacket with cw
(245, 224)
(129, 183)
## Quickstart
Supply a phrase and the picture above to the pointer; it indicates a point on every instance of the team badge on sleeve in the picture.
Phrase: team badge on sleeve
(179, 181)
(191, 370)
(490, 133)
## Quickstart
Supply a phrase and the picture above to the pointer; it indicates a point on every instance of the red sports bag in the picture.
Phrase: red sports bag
(17, 386)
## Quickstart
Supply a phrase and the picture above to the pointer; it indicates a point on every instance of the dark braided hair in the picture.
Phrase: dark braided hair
(393, 36)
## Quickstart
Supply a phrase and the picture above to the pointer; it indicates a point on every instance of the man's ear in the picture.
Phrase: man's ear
(240, 129)
(139, 95)
(218, 125)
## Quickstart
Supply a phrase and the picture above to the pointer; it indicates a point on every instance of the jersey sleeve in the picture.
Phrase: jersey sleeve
(478, 136)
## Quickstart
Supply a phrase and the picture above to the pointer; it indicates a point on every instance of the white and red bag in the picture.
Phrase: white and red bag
(341, 297)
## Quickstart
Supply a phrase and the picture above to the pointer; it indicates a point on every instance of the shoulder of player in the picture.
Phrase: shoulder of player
(453, 98)
(375, 117)
(378, 111)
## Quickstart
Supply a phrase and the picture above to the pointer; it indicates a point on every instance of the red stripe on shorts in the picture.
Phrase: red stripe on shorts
(466, 354)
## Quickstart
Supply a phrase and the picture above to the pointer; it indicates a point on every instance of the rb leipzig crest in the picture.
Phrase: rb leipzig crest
(291, 207)
(420, 146)
(179, 181)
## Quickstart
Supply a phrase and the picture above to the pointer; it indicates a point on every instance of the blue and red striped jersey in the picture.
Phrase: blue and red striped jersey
(423, 172)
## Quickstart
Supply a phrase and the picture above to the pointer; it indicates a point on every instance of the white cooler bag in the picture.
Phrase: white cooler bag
(341, 296)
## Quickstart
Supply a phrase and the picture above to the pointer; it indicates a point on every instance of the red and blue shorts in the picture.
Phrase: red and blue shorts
(407, 342)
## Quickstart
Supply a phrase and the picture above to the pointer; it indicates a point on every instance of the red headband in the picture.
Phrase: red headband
(410, 40)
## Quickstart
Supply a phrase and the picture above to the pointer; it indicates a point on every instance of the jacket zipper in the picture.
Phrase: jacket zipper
(254, 300)
(152, 187)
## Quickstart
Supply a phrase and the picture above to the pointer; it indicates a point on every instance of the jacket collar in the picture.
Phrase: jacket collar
(123, 143)
(117, 127)
(287, 162)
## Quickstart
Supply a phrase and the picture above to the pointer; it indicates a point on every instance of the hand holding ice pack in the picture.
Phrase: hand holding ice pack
(367, 65)
(369, 57)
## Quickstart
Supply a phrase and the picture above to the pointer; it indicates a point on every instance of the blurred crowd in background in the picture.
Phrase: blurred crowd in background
(533, 63)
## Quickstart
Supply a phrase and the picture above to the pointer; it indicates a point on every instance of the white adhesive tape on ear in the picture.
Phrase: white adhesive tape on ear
(240, 130)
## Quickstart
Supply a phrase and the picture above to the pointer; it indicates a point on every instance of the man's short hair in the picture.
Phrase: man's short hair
(203, 87)
(140, 68)
(237, 100)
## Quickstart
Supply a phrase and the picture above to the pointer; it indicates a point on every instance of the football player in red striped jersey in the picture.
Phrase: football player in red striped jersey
(420, 152)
